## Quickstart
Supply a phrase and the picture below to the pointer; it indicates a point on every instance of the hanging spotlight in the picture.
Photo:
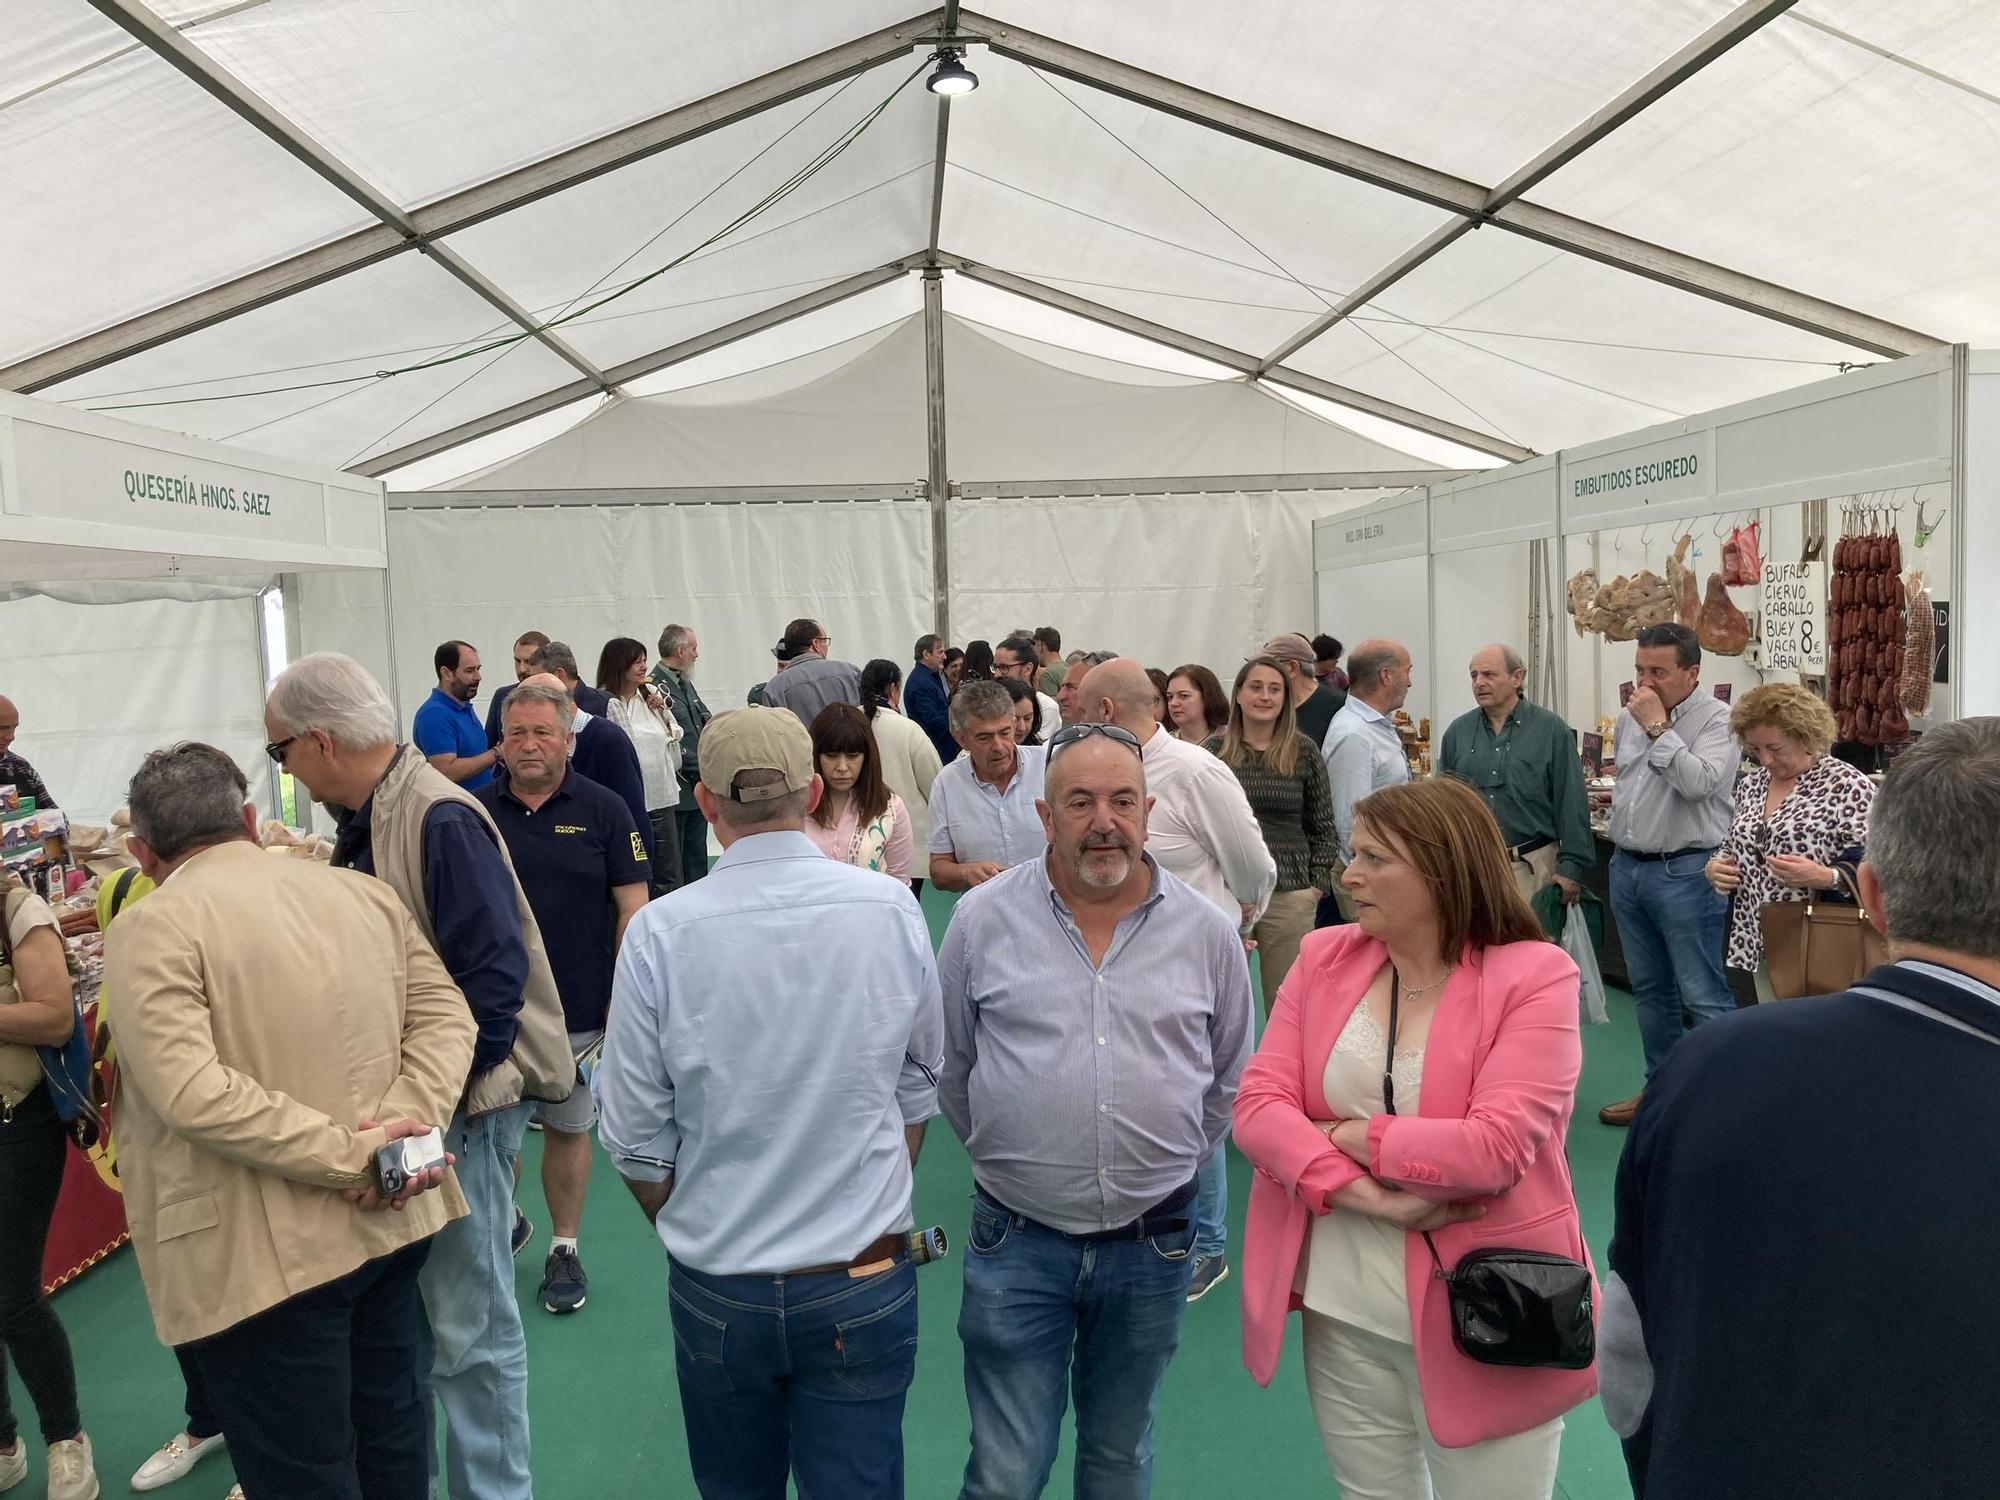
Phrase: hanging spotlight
(951, 76)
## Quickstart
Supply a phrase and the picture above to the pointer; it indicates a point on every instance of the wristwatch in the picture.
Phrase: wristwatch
(1654, 731)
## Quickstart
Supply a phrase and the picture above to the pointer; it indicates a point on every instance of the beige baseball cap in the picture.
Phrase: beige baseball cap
(1289, 647)
(756, 739)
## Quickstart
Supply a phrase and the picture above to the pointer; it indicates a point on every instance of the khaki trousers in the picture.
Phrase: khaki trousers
(1535, 872)
(1279, 932)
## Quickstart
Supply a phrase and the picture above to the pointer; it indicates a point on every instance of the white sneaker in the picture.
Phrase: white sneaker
(13, 1465)
(72, 1475)
(176, 1460)
(235, 1493)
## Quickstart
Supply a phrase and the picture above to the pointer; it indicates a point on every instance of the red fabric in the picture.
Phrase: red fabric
(89, 1223)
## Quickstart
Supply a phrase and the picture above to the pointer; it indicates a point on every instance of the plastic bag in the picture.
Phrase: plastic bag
(1576, 943)
(1741, 564)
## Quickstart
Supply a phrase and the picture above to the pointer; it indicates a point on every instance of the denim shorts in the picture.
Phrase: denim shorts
(576, 1114)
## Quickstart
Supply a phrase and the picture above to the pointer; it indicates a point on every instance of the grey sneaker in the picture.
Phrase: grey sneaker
(1209, 1272)
(563, 1283)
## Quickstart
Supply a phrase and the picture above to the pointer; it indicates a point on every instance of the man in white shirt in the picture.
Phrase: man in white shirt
(983, 817)
(1363, 751)
(1201, 830)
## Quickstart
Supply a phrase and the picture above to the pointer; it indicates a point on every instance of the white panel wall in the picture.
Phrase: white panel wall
(1386, 599)
(1482, 598)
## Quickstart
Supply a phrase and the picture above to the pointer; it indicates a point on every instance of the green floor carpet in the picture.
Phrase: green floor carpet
(607, 1422)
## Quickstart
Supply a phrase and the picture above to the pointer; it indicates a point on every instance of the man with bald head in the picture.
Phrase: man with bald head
(1203, 832)
(14, 771)
(1097, 1018)
(1363, 751)
(1523, 760)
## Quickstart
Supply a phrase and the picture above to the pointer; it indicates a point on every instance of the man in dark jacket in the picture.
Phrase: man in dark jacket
(673, 674)
(1799, 1303)
(929, 699)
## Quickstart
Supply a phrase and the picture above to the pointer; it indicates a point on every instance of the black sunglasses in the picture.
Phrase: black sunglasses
(277, 748)
(1074, 733)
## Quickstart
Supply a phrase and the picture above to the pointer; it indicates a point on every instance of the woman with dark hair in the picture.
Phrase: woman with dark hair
(909, 760)
(1285, 780)
(978, 662)
(1409, 1101)
(1027, 710)
(858, 820)
(642, 711)
(1196, 708)
(1159, 681)
(953, 668)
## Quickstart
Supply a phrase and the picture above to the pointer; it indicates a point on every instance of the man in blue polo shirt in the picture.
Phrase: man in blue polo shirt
(585, 873)
(446, 728)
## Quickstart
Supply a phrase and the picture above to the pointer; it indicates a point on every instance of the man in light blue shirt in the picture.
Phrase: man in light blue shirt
(1363, 751)
(983, 817)
(774, 1043)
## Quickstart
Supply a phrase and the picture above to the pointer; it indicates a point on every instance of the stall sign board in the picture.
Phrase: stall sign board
(1794, 606)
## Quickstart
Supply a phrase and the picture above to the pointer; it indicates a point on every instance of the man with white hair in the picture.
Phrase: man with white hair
(431, 842)
(1097, 1018)
(1523, 760)
(1202, 831)
(983, 817)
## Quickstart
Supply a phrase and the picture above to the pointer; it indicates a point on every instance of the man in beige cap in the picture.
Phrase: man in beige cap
(775, 1038)
(1314, 700)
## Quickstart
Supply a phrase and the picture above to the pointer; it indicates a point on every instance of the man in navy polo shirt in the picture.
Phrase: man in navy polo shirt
(446, 728)
(585, 873)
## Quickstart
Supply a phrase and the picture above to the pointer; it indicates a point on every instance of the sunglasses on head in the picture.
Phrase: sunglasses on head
(1075, 733)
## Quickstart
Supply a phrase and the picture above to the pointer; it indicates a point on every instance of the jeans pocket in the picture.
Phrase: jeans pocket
(698, 1337)
(878, 1349)
(1173, 1248)
(989, 1231)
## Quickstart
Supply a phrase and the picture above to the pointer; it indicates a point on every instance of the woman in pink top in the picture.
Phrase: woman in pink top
(1484, 1065)
(858, 820)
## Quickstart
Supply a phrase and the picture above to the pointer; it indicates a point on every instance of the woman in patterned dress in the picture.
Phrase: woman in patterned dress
(857, 820)
(1801, 816)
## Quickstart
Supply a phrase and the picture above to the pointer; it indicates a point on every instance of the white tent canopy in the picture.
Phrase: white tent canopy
(1515, 226)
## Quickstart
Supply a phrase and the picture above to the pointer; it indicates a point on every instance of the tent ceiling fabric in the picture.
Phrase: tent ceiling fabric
(1842, 151)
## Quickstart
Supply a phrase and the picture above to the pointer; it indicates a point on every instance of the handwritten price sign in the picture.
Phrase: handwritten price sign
(1795, 617)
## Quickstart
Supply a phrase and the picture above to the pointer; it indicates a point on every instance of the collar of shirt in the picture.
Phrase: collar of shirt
(456, 705)
(560, 794)
(1154, 894)
(1365, 710)
(1958, 977)
(1513, 718)
(762, 848)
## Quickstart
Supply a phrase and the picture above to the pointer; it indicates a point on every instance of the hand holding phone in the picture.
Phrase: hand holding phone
(412, 1162)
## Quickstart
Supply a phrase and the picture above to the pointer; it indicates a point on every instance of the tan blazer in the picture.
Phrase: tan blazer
(264, 1006)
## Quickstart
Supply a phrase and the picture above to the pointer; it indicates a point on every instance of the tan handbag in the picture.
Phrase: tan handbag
(1816, 948)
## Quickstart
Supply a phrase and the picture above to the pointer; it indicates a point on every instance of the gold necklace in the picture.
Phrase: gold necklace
(1437, 984)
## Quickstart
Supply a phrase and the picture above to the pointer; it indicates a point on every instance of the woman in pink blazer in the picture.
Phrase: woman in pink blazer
(1486, 1056)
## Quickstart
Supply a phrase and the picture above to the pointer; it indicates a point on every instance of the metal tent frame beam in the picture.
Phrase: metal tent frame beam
(634, 369)
(1236, 359)
(1738, 26)
(234, 95)
(473, 205)
(1466, 199)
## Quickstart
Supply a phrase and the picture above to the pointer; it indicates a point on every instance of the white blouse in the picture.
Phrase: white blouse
(656, 735)
(1353, 1266)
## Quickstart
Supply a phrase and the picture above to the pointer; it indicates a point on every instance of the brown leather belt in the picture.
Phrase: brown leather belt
(875, 1256)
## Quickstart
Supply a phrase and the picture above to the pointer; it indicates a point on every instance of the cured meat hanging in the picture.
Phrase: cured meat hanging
(1868, 639)
(1721, 626)
(1919, 647)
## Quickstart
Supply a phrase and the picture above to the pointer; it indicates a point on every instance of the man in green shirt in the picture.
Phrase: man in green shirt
(1523, 760)
(1048, 647)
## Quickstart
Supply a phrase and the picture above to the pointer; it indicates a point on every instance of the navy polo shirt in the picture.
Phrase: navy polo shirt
(445, 726)
(568, 855)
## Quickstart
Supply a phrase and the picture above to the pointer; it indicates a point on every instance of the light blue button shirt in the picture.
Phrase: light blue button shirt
(972, 823)
(773, 1028)
(1363, 754)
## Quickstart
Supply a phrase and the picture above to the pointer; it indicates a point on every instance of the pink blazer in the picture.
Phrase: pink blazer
(1500, 1071)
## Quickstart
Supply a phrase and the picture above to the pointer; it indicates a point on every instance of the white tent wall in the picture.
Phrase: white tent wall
(736, 571)
(345, 611)
(1170, 578)
(1387, 599)
(99, 685)
(1482, 599)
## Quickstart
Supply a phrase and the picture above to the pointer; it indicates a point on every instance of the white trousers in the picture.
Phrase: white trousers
(1371, 1419)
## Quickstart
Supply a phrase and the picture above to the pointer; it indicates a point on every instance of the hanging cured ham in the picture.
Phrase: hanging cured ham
(1721, 626)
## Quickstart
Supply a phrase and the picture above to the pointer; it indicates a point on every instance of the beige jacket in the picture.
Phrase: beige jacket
(541, 1065)
(263, 1007)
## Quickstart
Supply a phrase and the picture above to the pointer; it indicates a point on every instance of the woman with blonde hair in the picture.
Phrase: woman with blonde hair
(1409, 1101)
(1801, 818)
(1285, 780)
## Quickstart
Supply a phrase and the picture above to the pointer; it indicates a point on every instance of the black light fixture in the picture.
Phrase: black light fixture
(951, 76)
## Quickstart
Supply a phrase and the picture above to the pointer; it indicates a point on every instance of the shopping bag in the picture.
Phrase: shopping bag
(1576, 943)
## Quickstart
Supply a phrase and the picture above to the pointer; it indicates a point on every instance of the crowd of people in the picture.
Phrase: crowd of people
(522, 928)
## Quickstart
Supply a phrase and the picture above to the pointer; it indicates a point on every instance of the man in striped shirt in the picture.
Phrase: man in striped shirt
(1097, 1017)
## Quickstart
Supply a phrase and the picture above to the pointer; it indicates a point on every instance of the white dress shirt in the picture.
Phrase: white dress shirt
(1363, 754)
(1202, 830)
(1679, 791)
(974, 822)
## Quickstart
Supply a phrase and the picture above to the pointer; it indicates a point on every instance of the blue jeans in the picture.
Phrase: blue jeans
(478, 1354)
(1043, 1309)
(1211, 1216)
(800, 1375)
(1671, 923)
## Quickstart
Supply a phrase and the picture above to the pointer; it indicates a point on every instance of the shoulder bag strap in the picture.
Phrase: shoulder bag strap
(1389, 1091)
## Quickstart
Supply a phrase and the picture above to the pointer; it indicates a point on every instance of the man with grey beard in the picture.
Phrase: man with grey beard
(1097, 1017)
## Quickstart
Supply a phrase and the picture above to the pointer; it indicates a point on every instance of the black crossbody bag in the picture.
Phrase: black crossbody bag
(1527, 1308)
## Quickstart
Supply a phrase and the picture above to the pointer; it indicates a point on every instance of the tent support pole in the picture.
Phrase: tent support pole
(938, 487)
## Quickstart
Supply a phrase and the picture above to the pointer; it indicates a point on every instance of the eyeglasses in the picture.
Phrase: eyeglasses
(277, 748)
(1076, 733)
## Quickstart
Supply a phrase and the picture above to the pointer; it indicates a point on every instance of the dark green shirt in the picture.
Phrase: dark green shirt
(1530, 776)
